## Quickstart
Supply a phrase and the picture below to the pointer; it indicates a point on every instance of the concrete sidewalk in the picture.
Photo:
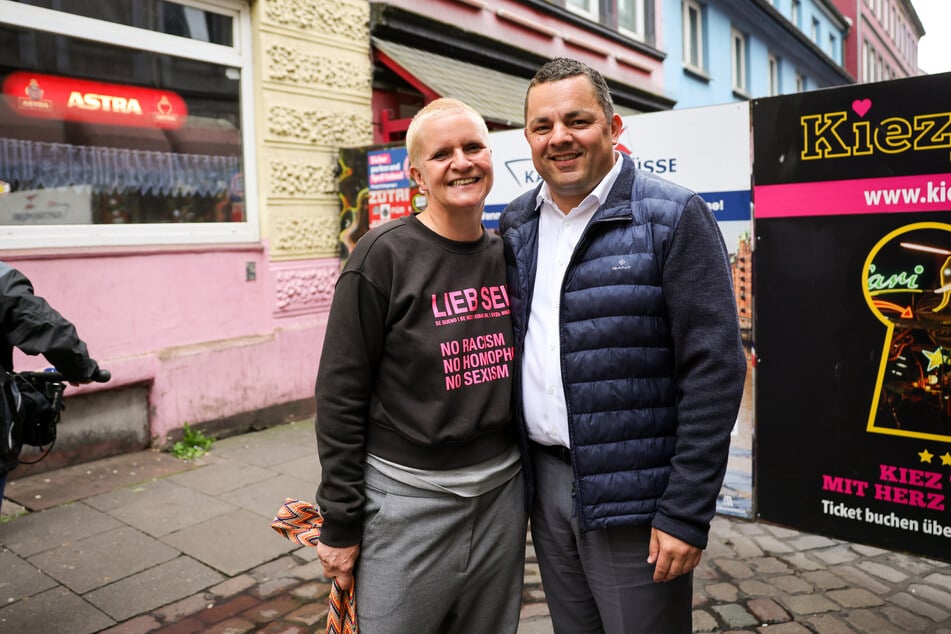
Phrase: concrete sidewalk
(147, 543)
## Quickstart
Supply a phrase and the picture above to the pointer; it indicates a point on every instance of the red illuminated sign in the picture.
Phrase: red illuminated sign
(70, 99)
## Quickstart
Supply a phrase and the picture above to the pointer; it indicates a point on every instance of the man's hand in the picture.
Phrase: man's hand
(670, 556)
(338, 563)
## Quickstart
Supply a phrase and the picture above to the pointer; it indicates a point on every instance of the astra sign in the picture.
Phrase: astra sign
(67, 98)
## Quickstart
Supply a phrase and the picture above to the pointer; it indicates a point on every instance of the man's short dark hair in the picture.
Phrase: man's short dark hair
(565, 68)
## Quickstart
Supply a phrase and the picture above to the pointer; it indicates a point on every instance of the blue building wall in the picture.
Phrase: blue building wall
(768, 29)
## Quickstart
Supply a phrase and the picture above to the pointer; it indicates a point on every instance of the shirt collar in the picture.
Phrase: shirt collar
(597, 196)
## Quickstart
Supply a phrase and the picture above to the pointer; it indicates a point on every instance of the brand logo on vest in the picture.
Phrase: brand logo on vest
(621, 265)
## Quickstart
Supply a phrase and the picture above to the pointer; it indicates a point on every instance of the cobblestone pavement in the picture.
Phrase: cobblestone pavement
(145, 543)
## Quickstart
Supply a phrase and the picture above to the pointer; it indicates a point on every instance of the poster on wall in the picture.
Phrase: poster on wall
(853, 312)
(707, 150)
(391, 189)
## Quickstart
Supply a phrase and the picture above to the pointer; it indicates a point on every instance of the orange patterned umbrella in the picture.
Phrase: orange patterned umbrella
(300, 522)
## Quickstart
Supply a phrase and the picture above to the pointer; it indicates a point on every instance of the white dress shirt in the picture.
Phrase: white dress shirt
(543, 393)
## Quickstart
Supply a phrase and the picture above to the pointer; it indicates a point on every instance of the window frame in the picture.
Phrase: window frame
(593, 13)
(238, 56)
(640, 8)
(689, 41)
(739, 62)
(773, 83)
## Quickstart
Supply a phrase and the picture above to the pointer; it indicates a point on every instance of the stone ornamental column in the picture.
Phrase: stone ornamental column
(312, 97)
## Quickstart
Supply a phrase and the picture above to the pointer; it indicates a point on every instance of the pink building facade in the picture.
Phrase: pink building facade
(883, 41)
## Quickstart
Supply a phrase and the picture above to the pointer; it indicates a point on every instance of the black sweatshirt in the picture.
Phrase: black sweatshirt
(416, 366)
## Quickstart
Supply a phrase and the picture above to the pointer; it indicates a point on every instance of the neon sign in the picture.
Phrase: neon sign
(71, 99)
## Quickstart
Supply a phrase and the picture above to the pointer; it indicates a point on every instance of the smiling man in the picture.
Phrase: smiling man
(631, 366)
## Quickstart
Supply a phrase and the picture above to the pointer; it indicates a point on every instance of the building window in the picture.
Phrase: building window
(630, 18)
(138, 136)
(693, 35)
(832, 46)
(586, 8)
(800, 82)
(738, 60)
(814, 32)
(795, 14)
(772, 77)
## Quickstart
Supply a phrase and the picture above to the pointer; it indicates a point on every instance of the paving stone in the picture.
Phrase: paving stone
(276, 569)
(705, 571)
(917, 606)
(185, 607)
(734, 569)
(938, 579)
(722, 591)
(274, 586)
(311, 613)
(271, 609)
(234, 625)
(310, 571)
(872, 623)
(768, 565)
(810, 542)
(744, 547)
(835, 555)
(101, 559)
(19, 579)
(231, 587)
(824, 580)
(854, 576)
(786, 628)
(164, 507)
(854, 598)
(757, 588)
(749, 529)
(791, 584)
(232, 547)
(868, 551)
(189, 625)
(38, 532)
(534, 595)
(58, 610)
(781, 531)
(152, 588)
(905, 620)
(772, 545)
(218, 478)
(735, 615)
(888, 573)
(265, 497)
(828, 624)
(311, 591)
(930, 594)
(138, 625)
(767, 611)
(802, 561)
(228, 609)
(916, 566)
(282, 628)
(82, 481)
(808, 604)
(703, 621)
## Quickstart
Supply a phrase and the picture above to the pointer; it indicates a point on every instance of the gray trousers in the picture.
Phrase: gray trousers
(599, 581)
(433, 562)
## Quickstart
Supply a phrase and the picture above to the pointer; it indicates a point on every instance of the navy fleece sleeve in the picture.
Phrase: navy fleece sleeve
(710, 368)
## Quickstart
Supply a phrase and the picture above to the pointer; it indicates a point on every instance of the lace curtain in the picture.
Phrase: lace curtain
(37, 165)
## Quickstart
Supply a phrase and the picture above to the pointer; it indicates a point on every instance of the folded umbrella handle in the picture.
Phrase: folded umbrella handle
(300, 522)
